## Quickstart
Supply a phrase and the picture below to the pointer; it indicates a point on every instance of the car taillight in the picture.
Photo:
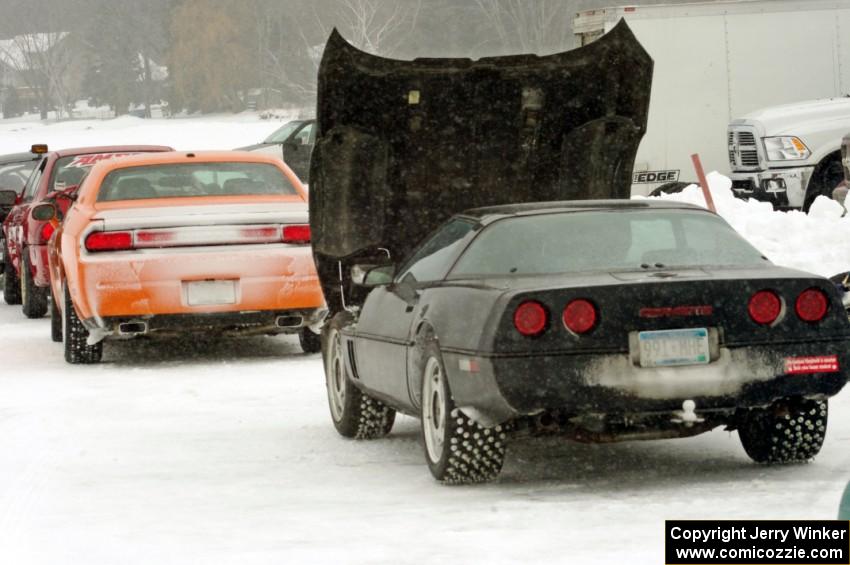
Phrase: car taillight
(46, 231)
(580, 316)
(765, 307)
(530, 318)
(811, 305)
(109, 241)
(296, 234)
(262, 234)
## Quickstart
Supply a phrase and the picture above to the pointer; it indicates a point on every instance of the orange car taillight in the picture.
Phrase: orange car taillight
(811, 305)
(46, 231)
(296, 234)
(530, 318)
(109, 241)
(580, 316)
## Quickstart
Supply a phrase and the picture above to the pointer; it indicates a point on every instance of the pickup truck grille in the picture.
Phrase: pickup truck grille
(743, 150)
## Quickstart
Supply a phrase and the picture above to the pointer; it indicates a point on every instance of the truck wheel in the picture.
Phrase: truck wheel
(33, 298)
(457, 449)
(55, 321)
(11, 284)
(825, 178)
(77, 351)
(310, 342)
(791, 430)
(354, 413)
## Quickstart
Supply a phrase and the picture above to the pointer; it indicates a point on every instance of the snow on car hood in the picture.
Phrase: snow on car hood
(794, 118)
(403, 145)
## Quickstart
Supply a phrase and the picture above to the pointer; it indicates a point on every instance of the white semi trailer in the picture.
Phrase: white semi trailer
(717, 61)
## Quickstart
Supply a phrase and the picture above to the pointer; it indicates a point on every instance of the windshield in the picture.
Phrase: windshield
(282, 134)
(70, 171)
(590, 241)
(195, 179)
(13, 176)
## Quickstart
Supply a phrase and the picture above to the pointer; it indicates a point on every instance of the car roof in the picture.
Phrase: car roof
(19, 157)
(173, 157)
(70, 152)
(491, 213)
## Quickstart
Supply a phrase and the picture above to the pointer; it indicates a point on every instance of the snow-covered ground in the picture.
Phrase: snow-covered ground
(223, 451)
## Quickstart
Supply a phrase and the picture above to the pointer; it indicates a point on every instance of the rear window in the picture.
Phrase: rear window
(193, 179)
(70, 171)
(591, 241)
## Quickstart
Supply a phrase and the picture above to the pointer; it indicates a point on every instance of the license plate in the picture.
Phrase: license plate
(210, 293)
(670, 348)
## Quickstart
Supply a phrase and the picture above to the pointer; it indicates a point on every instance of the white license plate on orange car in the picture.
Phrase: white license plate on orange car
(210, 293)
(671, 348)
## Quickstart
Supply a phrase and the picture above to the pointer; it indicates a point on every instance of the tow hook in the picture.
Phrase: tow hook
(687, 415)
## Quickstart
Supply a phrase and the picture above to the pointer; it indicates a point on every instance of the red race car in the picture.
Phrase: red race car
(27, 278)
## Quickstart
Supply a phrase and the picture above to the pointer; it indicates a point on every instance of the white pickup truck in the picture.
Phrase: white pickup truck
(789, 154)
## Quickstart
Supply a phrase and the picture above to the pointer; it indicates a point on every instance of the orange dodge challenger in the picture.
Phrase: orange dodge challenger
(165, 243)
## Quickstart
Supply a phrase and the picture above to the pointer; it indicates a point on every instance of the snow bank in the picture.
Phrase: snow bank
(208, 132)
(818, 242)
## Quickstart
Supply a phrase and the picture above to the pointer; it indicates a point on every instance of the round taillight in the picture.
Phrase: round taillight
(765, 307)
(811, 305)
(580, 316)
(530, 318)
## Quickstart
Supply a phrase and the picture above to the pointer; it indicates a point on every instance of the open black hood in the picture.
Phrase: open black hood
(403, 145)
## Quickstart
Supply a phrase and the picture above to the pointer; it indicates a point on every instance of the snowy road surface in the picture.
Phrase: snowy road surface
(223, 452)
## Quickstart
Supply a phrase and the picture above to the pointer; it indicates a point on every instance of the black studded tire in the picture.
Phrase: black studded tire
(457, 449)
(11, 284)
(55, 321)
(33, 298)
(354, 413)
(826, 176)
(75, 334)
(310, 342)
(789, 431)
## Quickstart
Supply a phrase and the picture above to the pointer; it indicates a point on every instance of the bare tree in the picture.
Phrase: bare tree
(376, 26)
(42, 62)
(521, 26)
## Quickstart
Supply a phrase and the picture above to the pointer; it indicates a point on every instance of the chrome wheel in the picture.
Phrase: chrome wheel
(433, 409)
(336, 378)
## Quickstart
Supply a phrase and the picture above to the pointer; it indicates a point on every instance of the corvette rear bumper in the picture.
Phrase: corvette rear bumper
(502, 387)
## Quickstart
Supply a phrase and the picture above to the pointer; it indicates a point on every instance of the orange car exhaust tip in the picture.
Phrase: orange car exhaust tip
(132, 328)
(289, 321)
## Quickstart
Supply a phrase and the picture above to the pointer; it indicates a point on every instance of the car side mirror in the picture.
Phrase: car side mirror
(371, 275)
(44, 212)
(8, 197)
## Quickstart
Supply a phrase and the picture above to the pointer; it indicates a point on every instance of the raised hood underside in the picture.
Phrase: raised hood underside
(403, 145)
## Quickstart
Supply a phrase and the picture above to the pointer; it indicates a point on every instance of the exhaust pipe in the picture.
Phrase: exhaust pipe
(132, 328)
(290, 321)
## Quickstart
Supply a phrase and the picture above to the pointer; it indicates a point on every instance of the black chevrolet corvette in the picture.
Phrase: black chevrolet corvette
(468, 286)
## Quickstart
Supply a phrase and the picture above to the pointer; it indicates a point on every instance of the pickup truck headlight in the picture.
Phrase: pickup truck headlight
(785, 148)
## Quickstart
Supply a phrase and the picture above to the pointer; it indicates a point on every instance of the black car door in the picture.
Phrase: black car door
(384, 330)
